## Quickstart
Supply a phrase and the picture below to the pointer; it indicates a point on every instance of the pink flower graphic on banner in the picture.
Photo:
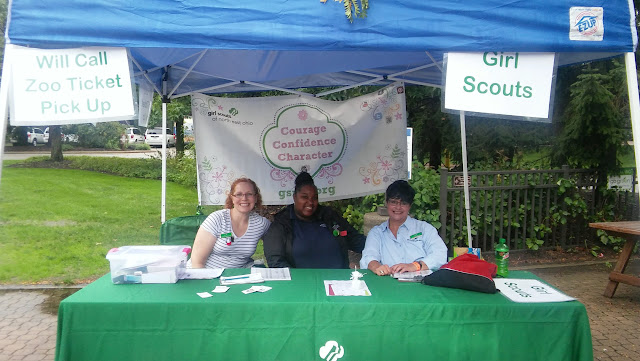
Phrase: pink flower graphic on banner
(384, 164)
(302, 115)
(214, 184)
(398, 116)
(220, 107)
(386, 168)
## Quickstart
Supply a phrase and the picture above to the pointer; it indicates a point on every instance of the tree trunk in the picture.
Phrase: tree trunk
(56, 143)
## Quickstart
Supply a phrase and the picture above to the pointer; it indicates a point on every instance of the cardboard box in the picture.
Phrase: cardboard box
(147, 264)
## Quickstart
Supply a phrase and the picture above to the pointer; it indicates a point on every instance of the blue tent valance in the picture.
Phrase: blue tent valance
(223, 45)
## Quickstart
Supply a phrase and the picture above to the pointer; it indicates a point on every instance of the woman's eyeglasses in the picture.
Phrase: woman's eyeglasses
(397, 203)
(243, 195)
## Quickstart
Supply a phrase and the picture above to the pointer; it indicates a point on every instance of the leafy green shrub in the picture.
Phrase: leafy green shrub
(426, 204)
(354, 217)
(102, 135)
(127, 167)
(183, 170)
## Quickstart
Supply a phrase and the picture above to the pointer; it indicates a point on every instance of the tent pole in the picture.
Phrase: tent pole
(634, 103)
(165, 100)
(164, 162)
(4, 100)
(463, 138)
(195, 131)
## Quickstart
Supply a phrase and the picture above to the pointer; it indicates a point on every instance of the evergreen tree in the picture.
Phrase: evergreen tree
(592, 136)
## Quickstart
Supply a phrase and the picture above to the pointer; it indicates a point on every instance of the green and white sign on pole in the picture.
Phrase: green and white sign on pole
(67, 86)
(496, 82)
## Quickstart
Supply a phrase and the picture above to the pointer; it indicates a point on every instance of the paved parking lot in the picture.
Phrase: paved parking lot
(28, 318)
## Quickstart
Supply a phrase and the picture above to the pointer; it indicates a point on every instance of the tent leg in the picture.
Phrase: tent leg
(197, 168)
(465, 174)
(4, 101)
(634, 103)
(163, 216)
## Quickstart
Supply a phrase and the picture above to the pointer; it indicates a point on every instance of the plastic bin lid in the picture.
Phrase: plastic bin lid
(148, 251)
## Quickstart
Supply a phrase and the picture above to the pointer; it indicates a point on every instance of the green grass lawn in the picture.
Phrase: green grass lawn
(57, 225)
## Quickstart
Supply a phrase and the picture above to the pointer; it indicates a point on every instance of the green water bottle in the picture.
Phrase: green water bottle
(502, 258)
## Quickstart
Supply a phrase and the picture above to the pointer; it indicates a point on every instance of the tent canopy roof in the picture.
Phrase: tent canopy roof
(224, 45)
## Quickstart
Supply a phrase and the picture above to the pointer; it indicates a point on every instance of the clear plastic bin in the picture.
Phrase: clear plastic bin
(148, 264)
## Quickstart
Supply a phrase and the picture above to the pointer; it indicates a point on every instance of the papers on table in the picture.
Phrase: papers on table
(273, 274)
(204, 294)
(346, 288)
(529, 291)
(242, 279)
(201, 273)
(256, 289)
(415, 276)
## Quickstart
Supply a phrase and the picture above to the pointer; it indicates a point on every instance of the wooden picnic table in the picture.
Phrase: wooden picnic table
(630, 231)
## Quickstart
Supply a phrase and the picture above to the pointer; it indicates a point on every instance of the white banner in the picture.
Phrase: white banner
(351, 148)
(69, 86)
(515, 84)
(145, 100)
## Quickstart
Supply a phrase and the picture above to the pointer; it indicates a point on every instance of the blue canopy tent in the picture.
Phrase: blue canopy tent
(209, 46)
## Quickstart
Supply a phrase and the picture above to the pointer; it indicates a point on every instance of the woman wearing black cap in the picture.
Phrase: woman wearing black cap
(307, 235)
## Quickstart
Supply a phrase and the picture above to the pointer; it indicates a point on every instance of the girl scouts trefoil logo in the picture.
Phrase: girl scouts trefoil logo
(586, 24)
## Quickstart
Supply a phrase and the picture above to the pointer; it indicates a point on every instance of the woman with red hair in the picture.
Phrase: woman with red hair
(228, 237)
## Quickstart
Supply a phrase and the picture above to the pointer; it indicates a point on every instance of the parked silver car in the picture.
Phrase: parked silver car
(132, 135)
(35, 136)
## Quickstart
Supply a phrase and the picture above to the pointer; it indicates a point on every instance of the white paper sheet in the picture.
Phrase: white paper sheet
(529, 291)
(273, 274)
(201, 273)
(345, 288)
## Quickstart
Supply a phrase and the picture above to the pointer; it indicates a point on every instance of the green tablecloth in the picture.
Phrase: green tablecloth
(399, 321)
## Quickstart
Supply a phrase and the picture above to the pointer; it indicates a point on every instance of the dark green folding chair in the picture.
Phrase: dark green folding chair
(181, 230)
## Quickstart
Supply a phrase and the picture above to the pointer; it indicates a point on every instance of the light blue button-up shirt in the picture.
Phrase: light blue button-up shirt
(416, 241)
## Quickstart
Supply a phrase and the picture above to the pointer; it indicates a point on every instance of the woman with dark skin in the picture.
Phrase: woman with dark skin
(308, 235)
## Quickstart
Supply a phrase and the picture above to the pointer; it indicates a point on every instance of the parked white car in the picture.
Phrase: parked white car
(153, 137)
(35, 136)
(132, 135)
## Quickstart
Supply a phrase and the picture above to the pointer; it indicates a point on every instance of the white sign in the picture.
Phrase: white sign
(621, 182)
(68, 86)
(529, 291)
(515, 84)
(351, 148)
